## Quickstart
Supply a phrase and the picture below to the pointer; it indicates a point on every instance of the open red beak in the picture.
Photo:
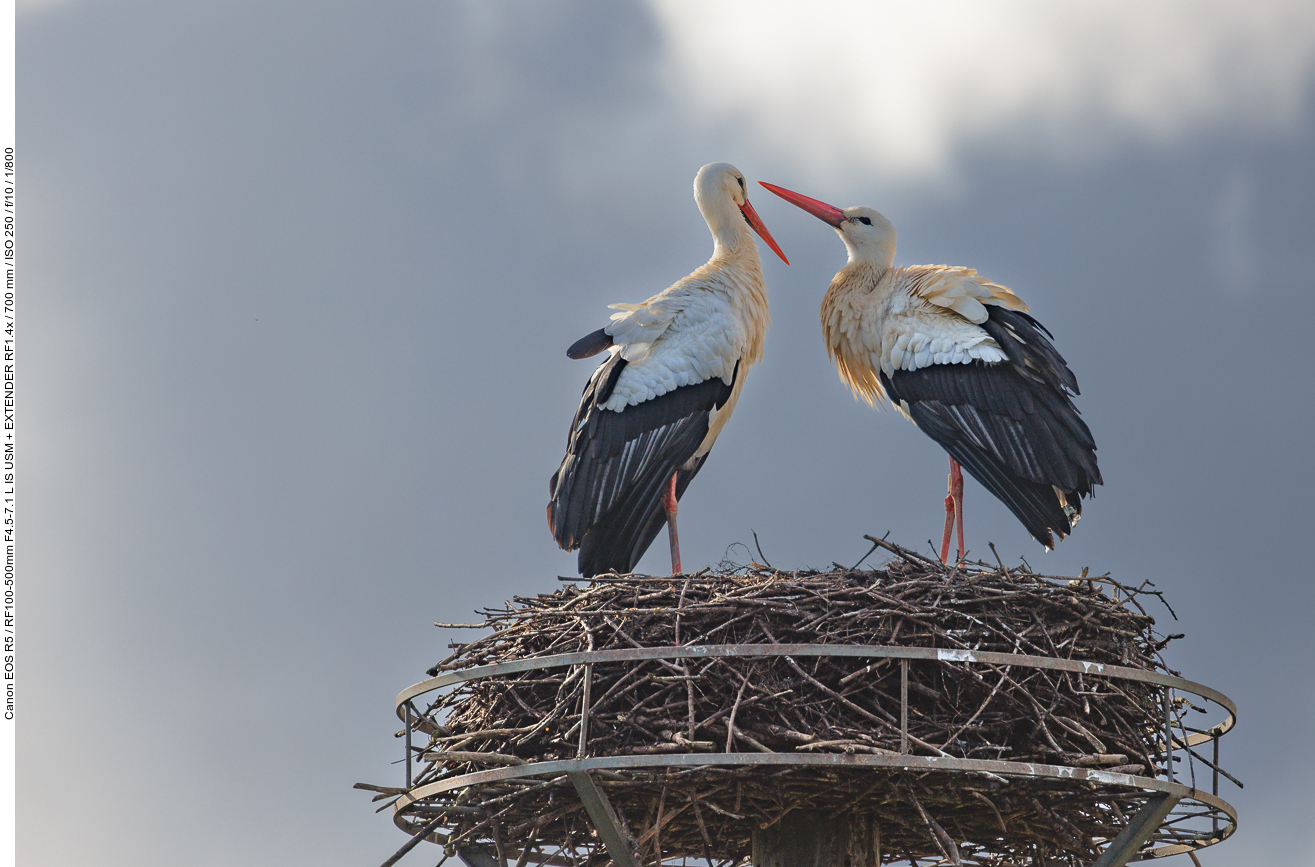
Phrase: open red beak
(824, 212)
(756, 223)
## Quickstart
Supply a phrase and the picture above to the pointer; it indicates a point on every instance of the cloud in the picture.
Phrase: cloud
(904, 88)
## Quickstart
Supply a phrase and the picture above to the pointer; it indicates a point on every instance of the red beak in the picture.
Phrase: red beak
(756, 223)
(824, 212)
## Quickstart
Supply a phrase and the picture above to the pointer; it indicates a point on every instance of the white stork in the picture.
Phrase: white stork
(960, 357)
(651, 412)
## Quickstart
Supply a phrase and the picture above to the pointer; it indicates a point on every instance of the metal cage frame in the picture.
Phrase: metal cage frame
(1148, 834)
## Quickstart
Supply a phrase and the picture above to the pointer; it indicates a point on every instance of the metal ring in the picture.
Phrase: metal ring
(897, 762)
(945, 764)
(868, 651)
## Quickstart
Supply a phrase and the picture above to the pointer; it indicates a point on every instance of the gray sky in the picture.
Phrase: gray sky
(298, 280)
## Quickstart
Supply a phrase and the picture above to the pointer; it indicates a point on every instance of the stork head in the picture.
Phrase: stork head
(867, 234)
(722, 196)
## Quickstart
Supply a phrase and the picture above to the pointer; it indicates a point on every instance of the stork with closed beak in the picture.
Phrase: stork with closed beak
(651, 412)
(961, 357)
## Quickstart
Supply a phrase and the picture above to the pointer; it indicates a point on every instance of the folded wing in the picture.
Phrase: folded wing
(1011, 424)
(606, 497)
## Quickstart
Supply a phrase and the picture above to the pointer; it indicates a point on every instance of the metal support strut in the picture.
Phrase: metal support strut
(1168, 736)
(584, 711)
(903, 705)
(1137, 832)
(611, 829)
(1214, 785)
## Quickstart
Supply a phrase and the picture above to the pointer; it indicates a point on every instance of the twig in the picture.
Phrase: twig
(874, 547)
(943, 840)
(425, 830)
(760, 549)
(730, 723)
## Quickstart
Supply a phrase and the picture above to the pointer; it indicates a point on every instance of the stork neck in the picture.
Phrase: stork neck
(730, 230)
(735, 272)
(730, 242)
(855, 283)
(877, 255)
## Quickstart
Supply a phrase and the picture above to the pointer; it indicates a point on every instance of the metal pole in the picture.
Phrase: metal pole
(1135, 834)
(612, 830)
(1214, 786)
(584, 708)
(407, 762)
(903, 705)
(1168, 736)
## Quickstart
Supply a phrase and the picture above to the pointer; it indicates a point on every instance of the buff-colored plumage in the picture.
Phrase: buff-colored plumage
(876, 317)
(963, 359)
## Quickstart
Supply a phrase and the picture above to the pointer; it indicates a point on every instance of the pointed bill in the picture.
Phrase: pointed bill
(756, 223)
(824, 212)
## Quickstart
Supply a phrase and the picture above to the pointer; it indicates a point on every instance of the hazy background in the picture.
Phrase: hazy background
(297, 280)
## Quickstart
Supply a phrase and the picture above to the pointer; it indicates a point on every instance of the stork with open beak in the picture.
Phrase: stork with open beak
(651, 412)
(961, 357)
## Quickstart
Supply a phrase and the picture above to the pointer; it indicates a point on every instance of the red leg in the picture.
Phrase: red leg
(669, 504)
(956, 491)
(949, 527)
(953, 511)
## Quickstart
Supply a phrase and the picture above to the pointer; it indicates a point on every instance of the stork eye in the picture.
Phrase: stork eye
(741, 180)
(865, 221)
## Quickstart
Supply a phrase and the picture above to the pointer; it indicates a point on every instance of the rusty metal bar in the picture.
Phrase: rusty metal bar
(611, 829)
(695, 651)
(584, 709)
(1214, 785)
(903, 705)
(1168, 736)
(897, 762)
(568, 768)
(407, 762)
(1135, 834)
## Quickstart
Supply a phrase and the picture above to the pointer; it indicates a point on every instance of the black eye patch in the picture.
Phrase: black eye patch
(865, 221)
(741, 180)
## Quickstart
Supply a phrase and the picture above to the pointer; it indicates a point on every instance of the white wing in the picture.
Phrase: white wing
(679, 337)
(933, 316)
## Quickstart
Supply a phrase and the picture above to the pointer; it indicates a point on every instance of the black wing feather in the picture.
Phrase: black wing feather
(1012, 425)
(591, 344)
(622, 535)
(606, 498)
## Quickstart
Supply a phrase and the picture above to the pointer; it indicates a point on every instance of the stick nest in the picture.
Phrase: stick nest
(817, 704)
